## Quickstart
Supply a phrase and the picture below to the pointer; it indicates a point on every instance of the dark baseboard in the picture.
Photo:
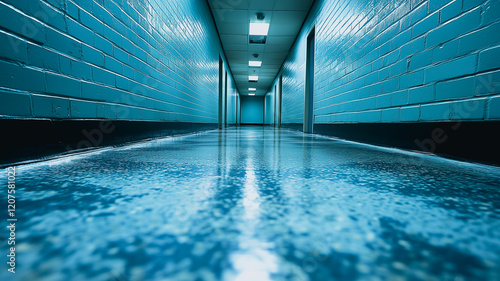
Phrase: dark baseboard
(471, 141)
(27, 140)
(293, 126)
(251, 124)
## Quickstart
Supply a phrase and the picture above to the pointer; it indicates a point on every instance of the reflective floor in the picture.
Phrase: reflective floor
(255, 204)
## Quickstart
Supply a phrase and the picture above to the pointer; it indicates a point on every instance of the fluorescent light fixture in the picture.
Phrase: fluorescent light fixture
(251, 94)
(255, 63)
(253, 78)
(252, 89)
(259, 28)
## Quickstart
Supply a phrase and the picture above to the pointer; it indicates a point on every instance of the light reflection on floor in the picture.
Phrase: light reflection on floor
(256, 204)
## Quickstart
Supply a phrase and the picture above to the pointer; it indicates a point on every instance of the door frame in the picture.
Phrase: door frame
(309, 84)
(221, 66)
(225, 99)
(280, 99)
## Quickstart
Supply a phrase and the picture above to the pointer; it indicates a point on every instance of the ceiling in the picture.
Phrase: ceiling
(233, 17)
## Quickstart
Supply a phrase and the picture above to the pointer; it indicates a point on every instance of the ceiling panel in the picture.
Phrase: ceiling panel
(273, 60)
(237, 47)
(277, 48)
(290, 29)
(261, 4)
(254, 71)
(252, 15)
(233, 4)
(254, 48)
(275, 56)
(230, 16)
(229, 28)
(238, 62)
(280, 40)
(269, 65)
(234, 39)
(234, 54)
(287, 17)
(292, 5)
(241, 76)
(268, 70)
(238, 67)
(242, 73)
(232, 19)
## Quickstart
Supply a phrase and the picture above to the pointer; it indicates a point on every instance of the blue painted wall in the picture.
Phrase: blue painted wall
(398, 61)
(269, 107)
(232, 97)
(252, 110)
(114, 59)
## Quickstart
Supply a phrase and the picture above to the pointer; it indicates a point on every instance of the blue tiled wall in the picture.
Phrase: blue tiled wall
(398, 61)
(110, 59)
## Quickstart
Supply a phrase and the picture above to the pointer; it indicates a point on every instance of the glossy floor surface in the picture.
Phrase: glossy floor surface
(255, 204)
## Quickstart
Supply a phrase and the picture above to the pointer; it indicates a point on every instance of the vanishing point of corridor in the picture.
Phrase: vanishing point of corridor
(256, 203)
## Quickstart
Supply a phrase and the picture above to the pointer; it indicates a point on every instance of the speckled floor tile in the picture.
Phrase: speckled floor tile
(256, 204)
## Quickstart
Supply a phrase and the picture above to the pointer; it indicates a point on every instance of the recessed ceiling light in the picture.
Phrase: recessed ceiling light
(251, 94)
(259, 28)
(256, 63)
(253, 78)
(252, 89)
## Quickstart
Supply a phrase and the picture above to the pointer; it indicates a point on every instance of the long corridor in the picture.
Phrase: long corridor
(255, 203)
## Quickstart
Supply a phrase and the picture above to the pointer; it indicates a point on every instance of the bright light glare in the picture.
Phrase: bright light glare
(255, 63)
(251, 94)
(253, 78)
(258, 28)
(252, 89)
